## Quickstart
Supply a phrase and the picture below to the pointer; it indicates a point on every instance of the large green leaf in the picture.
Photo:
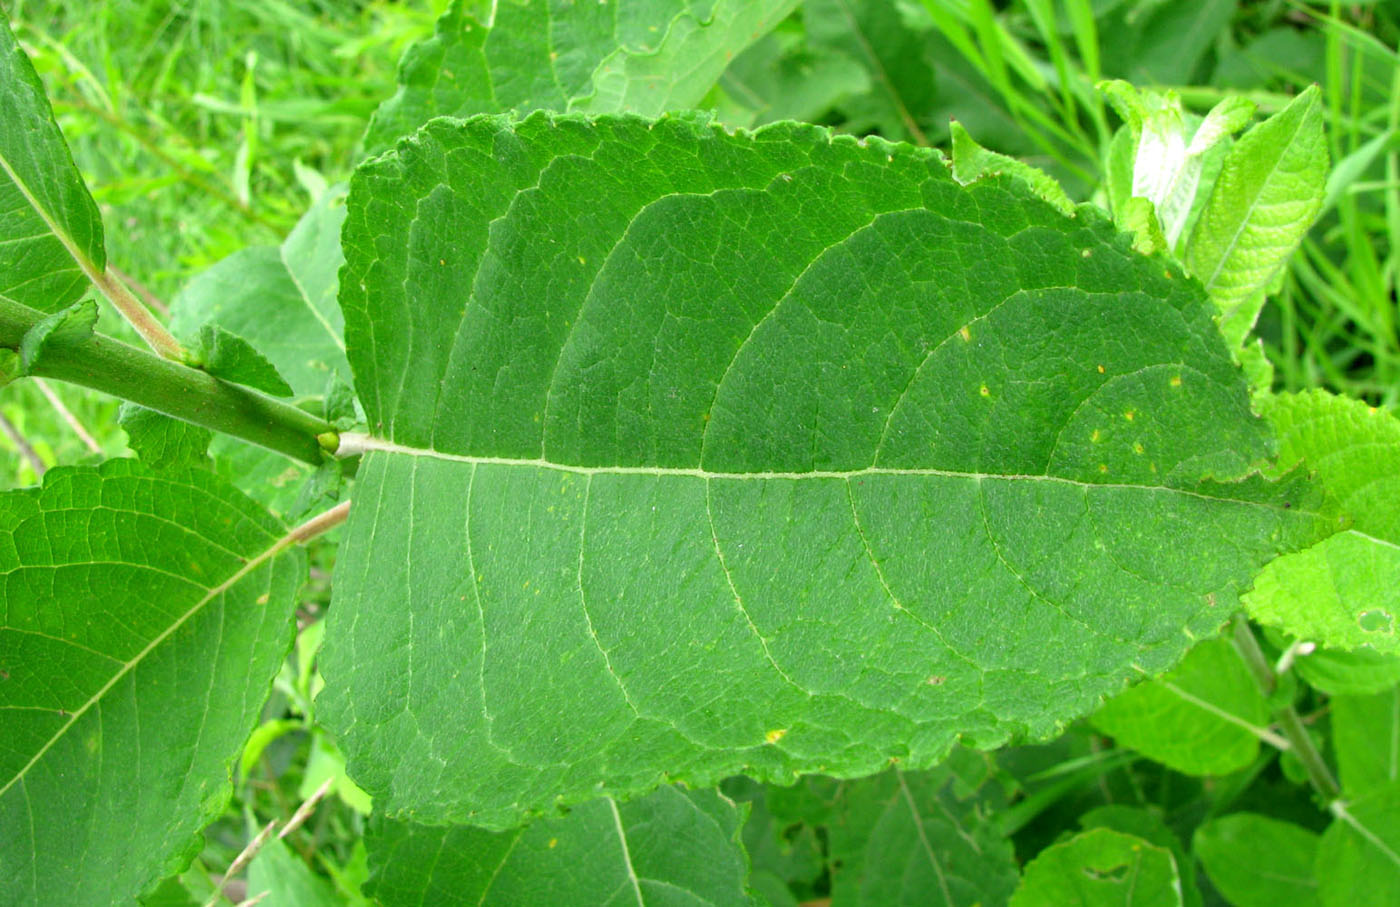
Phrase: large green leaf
(697, 453)
(1345, 592)
(639, 56)
(50, 230)
(1202, 718)
(672, 847)
(1268, 192)
(142, 618)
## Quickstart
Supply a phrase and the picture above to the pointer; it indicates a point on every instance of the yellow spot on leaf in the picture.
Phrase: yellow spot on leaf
(1103, 467)
(984, 391)
(1129, 415)
(262, 599)
(553, 842)
(964, 333)
(775, 735)
(1176, 381)
(1101, 369)
(442, 262)
(1138, 448)
(1096, 436)
(1087, 253)
(582, 260)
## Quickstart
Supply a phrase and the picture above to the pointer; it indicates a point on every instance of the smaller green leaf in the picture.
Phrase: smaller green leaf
(1268, 193)
(1366, 734)
(1343, 593)
(972, 162)
(1358, 861)
(1139, 217)
(670, 847)
(1100, 868)
(226, 355)
(1149, 826)
(783, 77)
(1357, 673)
(1256, 861)
(51, 231)
(72, 325)
(1202, 718)
(161, 442)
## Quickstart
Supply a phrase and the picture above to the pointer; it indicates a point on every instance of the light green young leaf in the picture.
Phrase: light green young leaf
(1256, 861)
(1343, 593)
(907, 838)
(671, 847)
(1358, 861)
(281, 300)
(634, 56)
(1100, 868)
(131, 600)
(1366, 735)
(50, 229)
(1268, 193)
(71, 325)
(1202, 718)
(774, 453)
(225, 355)
(972, 162)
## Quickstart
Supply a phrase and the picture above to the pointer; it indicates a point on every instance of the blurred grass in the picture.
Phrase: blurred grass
(200, 127)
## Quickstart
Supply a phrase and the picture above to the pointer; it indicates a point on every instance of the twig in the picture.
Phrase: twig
(1300, 742)
(25, 449)
(240, 861)
(68, 416)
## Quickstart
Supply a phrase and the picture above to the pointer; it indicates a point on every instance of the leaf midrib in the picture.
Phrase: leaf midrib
(352, 444)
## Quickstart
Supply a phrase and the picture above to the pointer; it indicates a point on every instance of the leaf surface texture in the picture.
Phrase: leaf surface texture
(698, 453)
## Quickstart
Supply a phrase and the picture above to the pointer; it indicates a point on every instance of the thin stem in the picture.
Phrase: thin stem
(113, 367)
(140, 317)
(67, 415)
(22, 444)
(1300, 742)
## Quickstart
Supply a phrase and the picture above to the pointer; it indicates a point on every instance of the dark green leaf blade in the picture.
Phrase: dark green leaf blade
(671, 847)
(906, 838)
(1257, 861)
(768, 453)
(144, 617)
(50, 229)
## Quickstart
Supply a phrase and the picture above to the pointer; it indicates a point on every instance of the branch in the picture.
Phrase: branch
(110, 366)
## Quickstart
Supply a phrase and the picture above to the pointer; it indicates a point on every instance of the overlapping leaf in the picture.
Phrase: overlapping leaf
(672, 847)
(637, 56)
(142, 618)
(1344, 592)
(696, 453)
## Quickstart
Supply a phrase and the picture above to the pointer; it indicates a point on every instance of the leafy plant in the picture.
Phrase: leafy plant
(733, 516)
